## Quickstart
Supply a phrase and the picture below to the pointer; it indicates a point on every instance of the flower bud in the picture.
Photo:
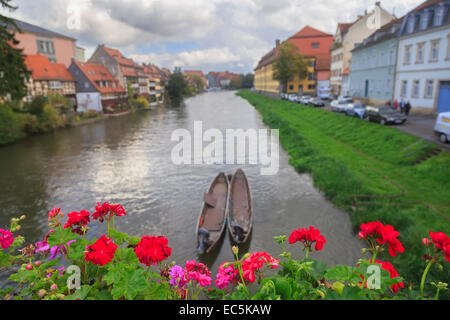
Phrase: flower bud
(426, 242)
(53, 287)
(42, 293)
(29, 267)
(23, 217)
(235, 250)
(38, 263)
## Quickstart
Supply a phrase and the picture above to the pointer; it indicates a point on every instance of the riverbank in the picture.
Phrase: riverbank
(371, 171)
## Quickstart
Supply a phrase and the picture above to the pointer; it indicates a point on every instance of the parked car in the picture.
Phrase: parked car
(442, 127)
(343, 104)
(384, 115)
(333, 105)
(304, 100)
(357, 109)
(292, 97)
(324, 93)
(316, 102)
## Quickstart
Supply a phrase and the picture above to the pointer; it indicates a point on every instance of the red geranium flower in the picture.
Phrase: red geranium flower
(308, 237)
(255, 262)
(152, 250)
(101, 252)
(441, 242)
(390, 268)
(6, 239)
(53, 213)
(103, 210)
(383, 234)
(77, 220)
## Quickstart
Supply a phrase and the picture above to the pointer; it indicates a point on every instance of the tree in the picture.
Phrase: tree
(248, 80)
(176, 87)
(13, 71)
(237, 82)
(289, 63)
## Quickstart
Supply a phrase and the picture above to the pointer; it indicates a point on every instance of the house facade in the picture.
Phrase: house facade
(34, 40)
(347, 35)
(423, 64)
(307, 85)
(96, 87)
(373, 65)
(48, 78)
(198, 73)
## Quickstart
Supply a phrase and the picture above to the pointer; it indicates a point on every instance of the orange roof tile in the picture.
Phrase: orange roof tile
(43, 69)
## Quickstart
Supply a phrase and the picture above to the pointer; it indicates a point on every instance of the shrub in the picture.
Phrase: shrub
(36, 106)
(50, 119)
(11, 125)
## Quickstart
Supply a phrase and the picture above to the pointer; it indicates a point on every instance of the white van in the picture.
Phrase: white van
(442, 127)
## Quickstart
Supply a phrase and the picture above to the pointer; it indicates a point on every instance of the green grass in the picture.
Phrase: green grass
(348, 156)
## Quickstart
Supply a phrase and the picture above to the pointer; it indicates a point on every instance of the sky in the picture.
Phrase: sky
(207, 35)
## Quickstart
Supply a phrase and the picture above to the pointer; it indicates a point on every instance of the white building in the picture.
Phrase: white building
(423, 64)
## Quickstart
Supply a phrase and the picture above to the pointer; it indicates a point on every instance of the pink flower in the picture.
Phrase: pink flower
(6, 239)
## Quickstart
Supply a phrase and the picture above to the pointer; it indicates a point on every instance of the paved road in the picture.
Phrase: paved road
(419, 126)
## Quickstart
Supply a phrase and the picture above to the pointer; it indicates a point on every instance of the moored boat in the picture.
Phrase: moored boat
(213, 215)
(240, 219)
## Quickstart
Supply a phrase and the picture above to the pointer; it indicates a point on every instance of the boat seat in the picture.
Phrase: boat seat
(210, 200)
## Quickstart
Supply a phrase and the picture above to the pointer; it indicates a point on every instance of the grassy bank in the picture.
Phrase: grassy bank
(348, 157)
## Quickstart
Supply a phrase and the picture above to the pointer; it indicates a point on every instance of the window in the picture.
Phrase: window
(311, 75)
(438, 16)
(311, 86)
(55, 85)
(315, 45)
(415, 89)
(420, 52)
(407, 58)
(86, 85)
(291, 87)
(404, 88)
(424, 20)
(411, 22)
(429, 89)
(434, 52)
(45, 47)
(448, 47)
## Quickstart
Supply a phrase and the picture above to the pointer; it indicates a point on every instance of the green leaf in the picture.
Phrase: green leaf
(353, 293)
(283, 288)
(80, 294)
(56, 238)
(119, 238)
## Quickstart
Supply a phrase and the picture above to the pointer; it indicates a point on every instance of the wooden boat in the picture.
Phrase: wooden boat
(213, 217)
(240, 220)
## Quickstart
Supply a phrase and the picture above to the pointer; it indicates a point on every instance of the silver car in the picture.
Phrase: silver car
(356, 110)
(343, 104)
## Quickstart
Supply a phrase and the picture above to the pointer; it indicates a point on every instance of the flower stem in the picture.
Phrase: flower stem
(424, 276)
(307, 253)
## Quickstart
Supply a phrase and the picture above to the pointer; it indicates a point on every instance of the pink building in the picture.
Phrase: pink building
(36, 40)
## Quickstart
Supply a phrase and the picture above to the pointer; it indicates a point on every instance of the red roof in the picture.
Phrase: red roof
(43, 69)
(307, 32)
(117, 55)
(343, 27)
(97, 72)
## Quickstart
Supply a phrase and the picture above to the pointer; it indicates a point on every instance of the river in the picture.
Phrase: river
(127, 160)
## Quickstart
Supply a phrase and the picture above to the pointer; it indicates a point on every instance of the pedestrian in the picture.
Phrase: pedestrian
(407, 108)
(395, 104)
(402, 106)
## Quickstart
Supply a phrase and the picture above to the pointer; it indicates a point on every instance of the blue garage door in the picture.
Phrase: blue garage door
(444, 97)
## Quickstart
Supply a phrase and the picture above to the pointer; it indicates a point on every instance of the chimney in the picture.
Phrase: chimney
(277, 43)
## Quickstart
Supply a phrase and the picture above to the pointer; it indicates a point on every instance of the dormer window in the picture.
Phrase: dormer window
(411, 23)
(424, 20)
(438, 15)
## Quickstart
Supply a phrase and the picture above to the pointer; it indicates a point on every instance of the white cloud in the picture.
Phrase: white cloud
(224, 33)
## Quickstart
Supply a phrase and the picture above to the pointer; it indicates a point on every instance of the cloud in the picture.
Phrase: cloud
(230, 34)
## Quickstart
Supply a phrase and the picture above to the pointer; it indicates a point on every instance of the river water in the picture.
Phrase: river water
(127, 160)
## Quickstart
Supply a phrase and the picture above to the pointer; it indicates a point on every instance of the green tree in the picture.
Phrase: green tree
(288, 63)
(13, 71)
(237, 82)
(177, 87)
(248, 80)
